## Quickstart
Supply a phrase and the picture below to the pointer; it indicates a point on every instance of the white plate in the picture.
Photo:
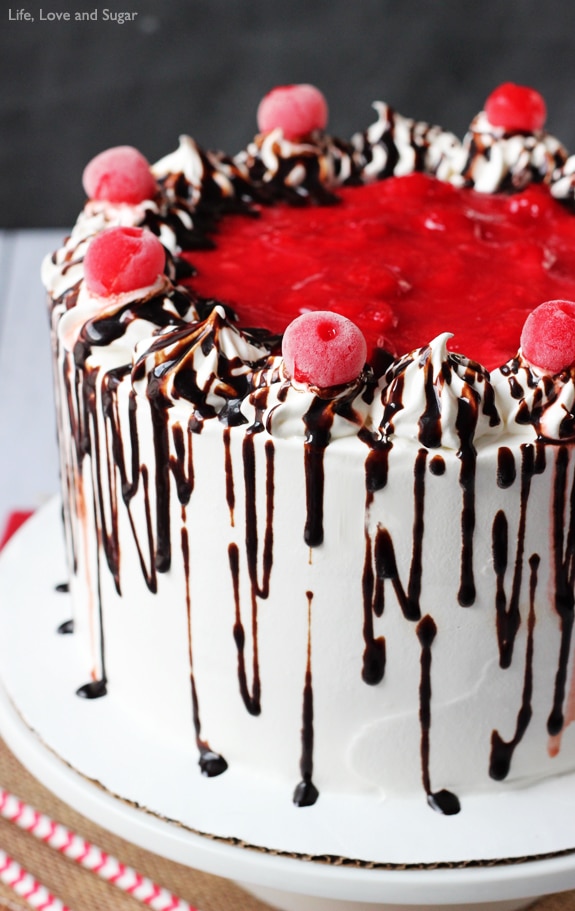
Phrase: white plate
(94, 756)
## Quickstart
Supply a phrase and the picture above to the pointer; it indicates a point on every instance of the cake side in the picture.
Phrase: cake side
(354, 588)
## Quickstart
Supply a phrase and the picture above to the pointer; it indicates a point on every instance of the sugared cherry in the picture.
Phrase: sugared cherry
(548, 336)
(123, 259)
(323, 349)
(120, 174)
(516, 108)
(297, 109)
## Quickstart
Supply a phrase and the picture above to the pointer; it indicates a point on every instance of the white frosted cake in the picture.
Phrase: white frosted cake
(340, 557)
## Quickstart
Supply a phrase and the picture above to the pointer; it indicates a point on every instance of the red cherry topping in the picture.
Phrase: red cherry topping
(120, 174)
(123, 259)
(516, 108)
(323, 349)
(297, 109)
(548, 336)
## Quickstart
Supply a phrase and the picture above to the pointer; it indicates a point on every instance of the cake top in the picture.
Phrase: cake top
(401, 235)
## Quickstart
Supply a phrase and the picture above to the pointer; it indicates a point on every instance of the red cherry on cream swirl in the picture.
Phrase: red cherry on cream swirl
(120, 260)
(548, 336)
(297, 109)
(119, 175)
(323, 349)
(516, 108)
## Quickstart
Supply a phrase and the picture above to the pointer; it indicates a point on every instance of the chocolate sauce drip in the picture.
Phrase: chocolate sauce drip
(160, 411)
(129, 484)
(564, 566)
(506, 471)
(373, 667)
(251, 700)
(182, 465)
(210, 762)
(66, 628)
(260, 590)
(306, 793)
(437, 465)
(384, 551)
(465, 425)
(415, 572)
(429, 424)
(63, 587)
(318, 421)
(386, 568)
(442, 801)
(376, 465)
(229, 475)
(95, 689)
(502, 750)
(507, 609)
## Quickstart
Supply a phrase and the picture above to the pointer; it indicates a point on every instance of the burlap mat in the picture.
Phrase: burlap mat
(83, 891)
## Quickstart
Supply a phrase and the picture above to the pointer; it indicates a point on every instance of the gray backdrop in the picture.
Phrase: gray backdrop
(73, 88)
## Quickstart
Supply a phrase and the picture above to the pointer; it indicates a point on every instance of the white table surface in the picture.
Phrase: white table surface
(28, 456)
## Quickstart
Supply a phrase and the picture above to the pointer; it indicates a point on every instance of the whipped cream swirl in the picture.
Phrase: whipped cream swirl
(115, 324)
(209, 364)
(191, 175)
(297, 171)
(395, 145)
(532, 397)
(438, 398)
(288, 410)
(496, 160)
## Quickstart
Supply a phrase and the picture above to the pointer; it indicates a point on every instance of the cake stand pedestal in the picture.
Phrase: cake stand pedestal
(498, 854)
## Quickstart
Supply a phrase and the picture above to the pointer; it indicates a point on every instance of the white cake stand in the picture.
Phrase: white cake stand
(499, 853)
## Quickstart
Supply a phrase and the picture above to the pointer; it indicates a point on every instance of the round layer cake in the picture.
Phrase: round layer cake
(316, 421)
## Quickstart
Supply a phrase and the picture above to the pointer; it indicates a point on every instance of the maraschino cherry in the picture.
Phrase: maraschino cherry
(119, 175)
(323, 349)
(123, 259)
(297, 110)
(516, 108)
(548, 336)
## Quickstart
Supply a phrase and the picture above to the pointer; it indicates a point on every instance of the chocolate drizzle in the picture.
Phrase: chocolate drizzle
(507, 609)
(306, 793)
(251, 699)
(258, 589)
(564, 571)
(373, 667)
(501, 750)
(318, 421)
(66, 628)
(210, 762)
(465, 426)
(443, 801)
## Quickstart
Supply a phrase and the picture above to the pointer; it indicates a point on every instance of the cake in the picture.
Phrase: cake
(316, 416)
